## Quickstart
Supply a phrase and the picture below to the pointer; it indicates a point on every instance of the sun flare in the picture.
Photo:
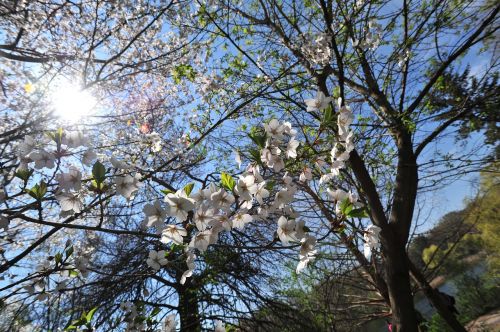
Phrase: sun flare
(71, 102)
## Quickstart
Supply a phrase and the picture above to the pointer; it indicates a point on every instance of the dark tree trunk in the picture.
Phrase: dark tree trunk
(395, 236)
(404, 318)
(188, 310)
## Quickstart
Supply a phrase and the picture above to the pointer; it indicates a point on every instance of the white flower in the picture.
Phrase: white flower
(4, 223)
(156, 259)
(179, 205)
(191, 257)
(88, 157)
(119, 164)
(127, 185)
(155, 214)
(261, 193)
(320, 102)
(205, 194)
(43, 159)
(287, 126)
(271, 158)
(202, 217)
(287, 179)
(307, 252)
(221, 222)
(173, 233)
(246, 187)
(201, 240)
(274, 129)
(219, 326)
(169, 324)
(372, 239)
(25, 148)
(338, 194)
(70, 202)
(284, 196)
(299, 229)
(286, 230)
(306, 175)
(237, 158)
(291, 148)
(240, 220)
(221, 199)
(70, 180)
(74, 139)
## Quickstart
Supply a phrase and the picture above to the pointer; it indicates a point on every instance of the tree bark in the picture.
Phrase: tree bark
(395, 236)
(188, 310)
(404, 318)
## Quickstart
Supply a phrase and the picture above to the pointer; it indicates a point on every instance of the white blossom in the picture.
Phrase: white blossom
(155, 214)
(246, 187)
(190, 260)
(156, 259)
(70, 180)
(69, 202)
(173, 233)
(306, 175)
(74, 139)
(127, 185)
(179, 205)
(372, 239)
(219, 326)
(307, 252)
(286, 230)
(88, 157)
(318, 103)
(221, 199)
(201, 240)
(169, 323)
(240, 220)
(291, 148)
(43, 159)
(261, 193)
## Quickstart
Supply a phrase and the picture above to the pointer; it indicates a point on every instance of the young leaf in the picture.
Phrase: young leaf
(99, 172)
(227, 181)
(189, 188)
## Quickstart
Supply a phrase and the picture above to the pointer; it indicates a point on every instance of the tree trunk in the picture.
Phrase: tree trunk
(435, 299)
(188, 310)
(404, 318)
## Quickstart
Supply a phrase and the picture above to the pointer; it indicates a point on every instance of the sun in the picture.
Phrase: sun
(71, 103)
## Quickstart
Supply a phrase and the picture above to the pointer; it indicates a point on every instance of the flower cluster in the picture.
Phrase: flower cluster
(318, 51)
(345, 144)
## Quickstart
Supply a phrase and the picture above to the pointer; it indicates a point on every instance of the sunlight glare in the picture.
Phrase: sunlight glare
(71, 103)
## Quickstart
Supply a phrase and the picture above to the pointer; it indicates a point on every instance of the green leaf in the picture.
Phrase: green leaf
(327, 116)
(259, 138)
(255, 153)
(24, 174)
(359, 213)
(58, 258)
(346, 207)
(90, 314)
(227, 181)
(189, 188)
(69, 251)
(167, 191)
(156, 311)
(38, 191)
(99, 172)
